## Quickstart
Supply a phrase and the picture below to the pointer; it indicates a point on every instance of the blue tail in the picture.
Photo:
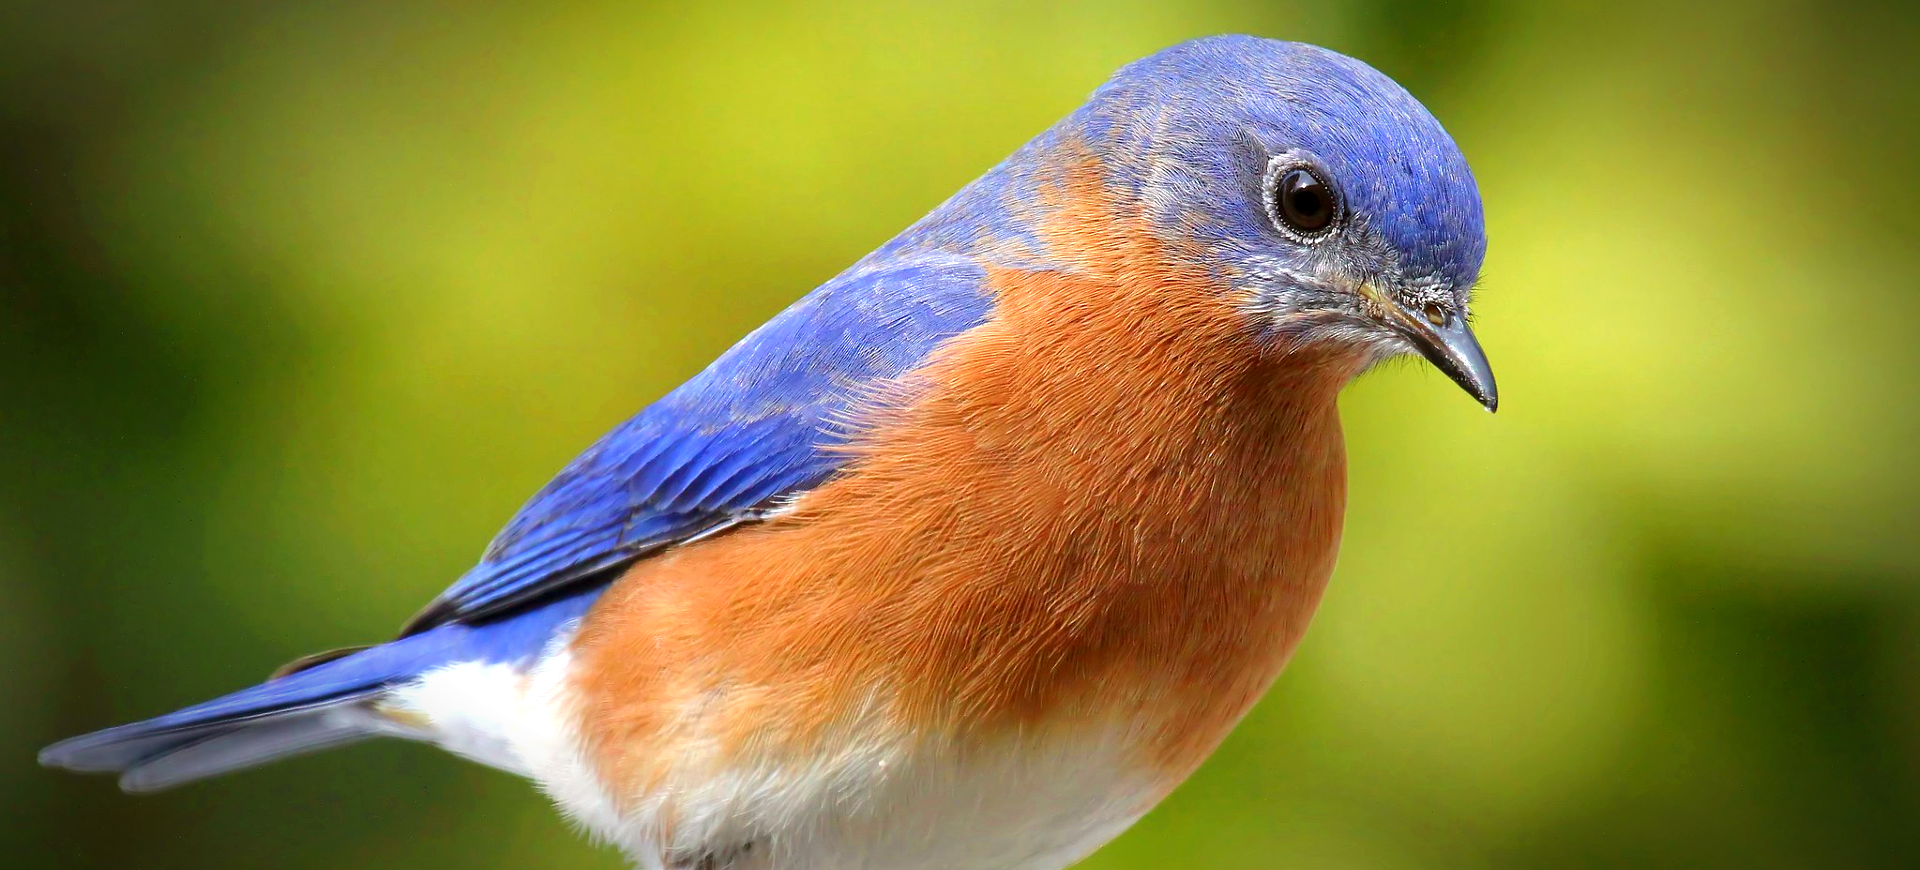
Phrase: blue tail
(325, 705)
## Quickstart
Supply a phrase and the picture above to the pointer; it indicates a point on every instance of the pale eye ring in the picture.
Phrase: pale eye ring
(1300, 202)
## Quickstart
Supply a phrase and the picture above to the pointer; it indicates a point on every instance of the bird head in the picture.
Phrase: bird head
(1329, 201)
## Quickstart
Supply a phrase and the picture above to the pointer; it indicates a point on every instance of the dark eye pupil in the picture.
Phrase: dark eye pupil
(1304, 201)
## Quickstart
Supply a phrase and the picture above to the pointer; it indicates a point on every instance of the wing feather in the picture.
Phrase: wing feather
(756, 426)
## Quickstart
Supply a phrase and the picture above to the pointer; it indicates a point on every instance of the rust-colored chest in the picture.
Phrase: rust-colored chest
(1079, 520)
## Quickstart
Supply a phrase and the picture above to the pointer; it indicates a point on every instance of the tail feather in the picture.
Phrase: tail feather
(269, 739)
(325, 706)
(320, 702)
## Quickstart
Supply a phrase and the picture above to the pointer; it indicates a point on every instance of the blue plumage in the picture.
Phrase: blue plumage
(1161, 122)
(757, 425)
(1182, 137)
(254, 725)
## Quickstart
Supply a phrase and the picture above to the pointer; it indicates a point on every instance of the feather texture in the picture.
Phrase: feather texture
(757, 425)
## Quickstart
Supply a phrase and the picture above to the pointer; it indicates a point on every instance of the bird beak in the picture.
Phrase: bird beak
(1449, 345)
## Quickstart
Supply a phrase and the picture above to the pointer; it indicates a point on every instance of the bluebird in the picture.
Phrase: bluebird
(974, 553)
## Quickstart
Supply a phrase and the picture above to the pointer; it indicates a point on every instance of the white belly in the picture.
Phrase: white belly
(892, 803)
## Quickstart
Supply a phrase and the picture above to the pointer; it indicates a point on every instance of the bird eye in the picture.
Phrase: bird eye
(1435, 314)
(1303, 201)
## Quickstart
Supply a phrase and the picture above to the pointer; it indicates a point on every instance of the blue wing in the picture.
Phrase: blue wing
(756, 425)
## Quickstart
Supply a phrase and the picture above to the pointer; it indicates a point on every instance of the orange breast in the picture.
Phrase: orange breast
(1108, 504)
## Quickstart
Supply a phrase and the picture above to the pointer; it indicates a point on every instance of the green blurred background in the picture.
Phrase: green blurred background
(298, 301)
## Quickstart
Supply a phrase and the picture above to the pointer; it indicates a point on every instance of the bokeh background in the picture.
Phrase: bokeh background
(298, 301)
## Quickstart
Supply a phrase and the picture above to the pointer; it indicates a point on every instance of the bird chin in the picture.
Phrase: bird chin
(1339, 334)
